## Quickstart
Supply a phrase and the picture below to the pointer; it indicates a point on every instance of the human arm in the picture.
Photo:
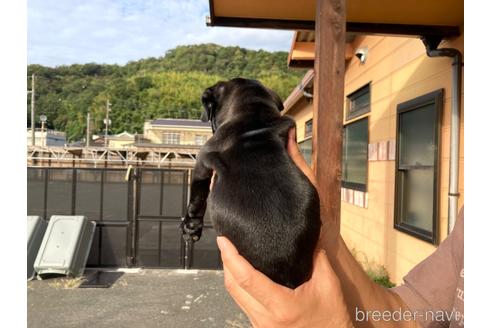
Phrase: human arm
(359, 291)
(337, 289)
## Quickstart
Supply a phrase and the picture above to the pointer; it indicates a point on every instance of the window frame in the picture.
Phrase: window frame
(202, 137)
(310, 133)
(310, 138)
(436, 98)
(171, 135)
(350, 114)
(354, 185)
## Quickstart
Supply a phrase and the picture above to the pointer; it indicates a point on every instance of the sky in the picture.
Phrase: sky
(63, 32)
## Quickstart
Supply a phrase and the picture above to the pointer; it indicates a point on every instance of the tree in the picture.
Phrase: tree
(168, 87)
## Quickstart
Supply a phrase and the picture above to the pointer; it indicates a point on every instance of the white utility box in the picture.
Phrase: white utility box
(36, 227)
(65, 247)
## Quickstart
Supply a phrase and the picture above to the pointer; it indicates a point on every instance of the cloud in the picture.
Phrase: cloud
(111, 31)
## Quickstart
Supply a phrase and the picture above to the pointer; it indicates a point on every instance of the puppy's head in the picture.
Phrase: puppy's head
(226, 100)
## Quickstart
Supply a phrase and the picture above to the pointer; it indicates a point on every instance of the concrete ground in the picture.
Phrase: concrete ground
(139, 298)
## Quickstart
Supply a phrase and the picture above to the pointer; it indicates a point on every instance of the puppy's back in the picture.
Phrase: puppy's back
(267, 207)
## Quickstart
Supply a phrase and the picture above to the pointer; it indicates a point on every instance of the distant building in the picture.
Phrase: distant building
(165, 142)
(121, 140)
(177, 132)
(46, 138)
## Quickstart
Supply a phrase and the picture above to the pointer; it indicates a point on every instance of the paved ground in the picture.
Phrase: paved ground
(144, 298)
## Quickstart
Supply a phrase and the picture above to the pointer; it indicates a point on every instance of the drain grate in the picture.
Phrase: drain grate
(100, 279)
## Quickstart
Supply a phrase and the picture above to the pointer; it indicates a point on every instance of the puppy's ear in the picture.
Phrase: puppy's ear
(209, 103)
(277, 100)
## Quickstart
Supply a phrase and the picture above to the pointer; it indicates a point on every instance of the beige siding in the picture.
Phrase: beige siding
(301, 112)
(398, 70)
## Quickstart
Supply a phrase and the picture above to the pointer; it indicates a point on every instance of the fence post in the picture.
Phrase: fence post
(135, 192)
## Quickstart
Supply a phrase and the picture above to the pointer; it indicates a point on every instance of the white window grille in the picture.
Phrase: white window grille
(171, 138)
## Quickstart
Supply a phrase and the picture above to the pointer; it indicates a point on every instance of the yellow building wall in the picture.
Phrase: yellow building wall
(398, 70)
(301, 112)
(187, 134)
(155, 136)
(119, 143)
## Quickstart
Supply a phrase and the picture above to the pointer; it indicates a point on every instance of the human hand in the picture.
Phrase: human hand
(329, 235)
(317, 303)
(212, 181)
(296, 155)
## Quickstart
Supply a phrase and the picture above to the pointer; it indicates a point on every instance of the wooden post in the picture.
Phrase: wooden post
(329, 67)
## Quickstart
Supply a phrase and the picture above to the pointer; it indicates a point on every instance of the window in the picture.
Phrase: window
(354, 155)
(308, 128)
(200, 139)
(306, 147)
(171, 138)
(358, 102)
(418, 123)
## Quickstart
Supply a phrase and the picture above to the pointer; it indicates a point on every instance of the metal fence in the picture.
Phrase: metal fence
(137, 212)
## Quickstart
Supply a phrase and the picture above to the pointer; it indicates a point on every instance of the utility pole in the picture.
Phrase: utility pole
(44, 138)
(107, 122)
(87, 138)
(33, 125)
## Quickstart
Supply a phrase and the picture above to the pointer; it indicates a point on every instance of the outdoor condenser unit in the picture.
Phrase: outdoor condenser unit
(65, 247)
(36, 227)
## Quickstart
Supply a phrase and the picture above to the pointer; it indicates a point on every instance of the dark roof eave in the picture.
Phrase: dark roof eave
(358, 28)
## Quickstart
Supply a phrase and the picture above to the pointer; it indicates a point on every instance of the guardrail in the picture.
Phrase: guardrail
(155, 156)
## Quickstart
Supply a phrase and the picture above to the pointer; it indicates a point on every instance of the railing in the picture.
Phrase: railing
(52, 132)
(141, 155)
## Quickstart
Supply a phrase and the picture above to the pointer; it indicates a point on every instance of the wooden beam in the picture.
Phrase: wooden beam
(329, 68)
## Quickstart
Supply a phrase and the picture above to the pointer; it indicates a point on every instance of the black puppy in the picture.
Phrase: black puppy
(260, 200)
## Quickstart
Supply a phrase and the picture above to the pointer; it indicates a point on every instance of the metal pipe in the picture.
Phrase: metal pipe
(33, 118)
(453, 192)
(134, 223)
(187, 255)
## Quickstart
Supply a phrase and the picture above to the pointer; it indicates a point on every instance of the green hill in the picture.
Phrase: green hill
(168, 87)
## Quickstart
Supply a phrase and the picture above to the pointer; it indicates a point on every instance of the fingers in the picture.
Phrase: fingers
(293, 148)
(293, 135)
(253, 282)
(246, 302)
(321, 267)
(324, 278)
(296, 155)
(212, 181)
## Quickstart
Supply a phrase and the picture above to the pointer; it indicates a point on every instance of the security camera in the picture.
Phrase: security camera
(361, 53)
(308, 95)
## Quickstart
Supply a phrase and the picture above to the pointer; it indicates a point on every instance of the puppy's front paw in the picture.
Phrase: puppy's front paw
(192, 227)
